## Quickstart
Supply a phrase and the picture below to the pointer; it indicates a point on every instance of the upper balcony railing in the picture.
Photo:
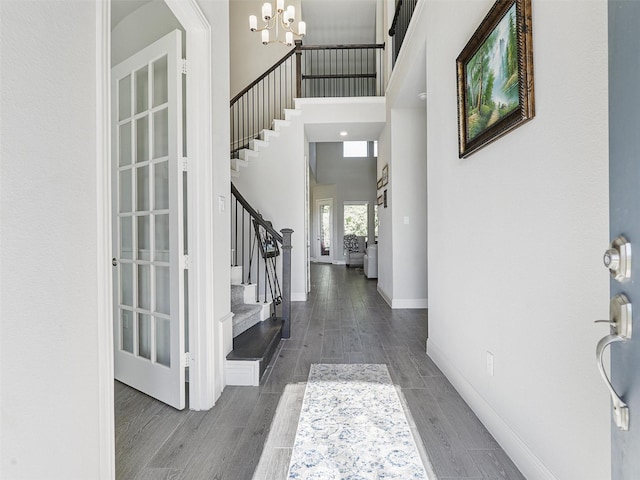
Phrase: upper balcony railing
(306, 71)
(400, 24)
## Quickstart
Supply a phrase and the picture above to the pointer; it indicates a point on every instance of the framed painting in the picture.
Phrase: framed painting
(379, 184)
(385, 175)
(495, 76)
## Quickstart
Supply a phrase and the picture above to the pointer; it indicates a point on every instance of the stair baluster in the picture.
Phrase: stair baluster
(267, 251)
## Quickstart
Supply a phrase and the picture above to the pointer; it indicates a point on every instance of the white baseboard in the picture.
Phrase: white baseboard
(242, 373)
(528, 463)
(339, 262)
(298, 297)
(384, 295)
(408, 303)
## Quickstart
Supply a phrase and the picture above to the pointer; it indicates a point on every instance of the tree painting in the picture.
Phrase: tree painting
(492, 77)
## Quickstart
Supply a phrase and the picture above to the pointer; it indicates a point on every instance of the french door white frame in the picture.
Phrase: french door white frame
(318, 229)
(203, 370)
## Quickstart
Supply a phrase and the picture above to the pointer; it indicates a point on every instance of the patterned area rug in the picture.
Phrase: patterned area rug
(352, 427)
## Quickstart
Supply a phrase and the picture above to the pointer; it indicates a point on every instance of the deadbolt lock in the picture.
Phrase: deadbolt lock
(618, 259)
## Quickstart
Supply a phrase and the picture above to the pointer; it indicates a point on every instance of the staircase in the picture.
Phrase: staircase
(246, 155)
(247, 311)
(260, 292)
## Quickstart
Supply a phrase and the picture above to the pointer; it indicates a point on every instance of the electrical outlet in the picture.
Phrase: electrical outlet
(490, 363)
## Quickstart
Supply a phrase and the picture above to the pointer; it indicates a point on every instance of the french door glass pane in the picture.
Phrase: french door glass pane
(325, 230)
(162, 238)
(125, 191)
(161, 185)
(126, 284)
(144, 287)
(163, 342)
(144, 336)
(144, 238)
(126, 238)
(160, 88)
(142, 89)
(125, 144)
(163, 295)
(124, 98)
(142, 189)
(142, 139)
(161, 133)
(126, 325)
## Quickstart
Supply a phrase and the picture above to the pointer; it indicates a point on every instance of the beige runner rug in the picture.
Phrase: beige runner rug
(353, 427)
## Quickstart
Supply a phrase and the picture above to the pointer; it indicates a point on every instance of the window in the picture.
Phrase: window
(375, 149)
(355, 149)
(356, 218)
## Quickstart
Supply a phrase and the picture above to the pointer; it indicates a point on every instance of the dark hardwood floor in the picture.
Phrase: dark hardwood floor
(344, 321)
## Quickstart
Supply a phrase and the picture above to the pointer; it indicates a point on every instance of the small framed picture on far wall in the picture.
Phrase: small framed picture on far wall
(385, 175)
(379, 184)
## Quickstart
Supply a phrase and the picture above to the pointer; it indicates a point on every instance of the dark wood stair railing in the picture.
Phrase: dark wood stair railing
(257, 248)
(316, 71)
(400, 25)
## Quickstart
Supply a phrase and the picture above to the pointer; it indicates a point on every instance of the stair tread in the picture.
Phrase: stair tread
(257, 342)
(244, 310)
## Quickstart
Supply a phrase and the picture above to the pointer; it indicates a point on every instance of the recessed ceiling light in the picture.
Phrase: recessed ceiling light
(343, 134)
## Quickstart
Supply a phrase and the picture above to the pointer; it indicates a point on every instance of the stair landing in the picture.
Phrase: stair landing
(252, 352)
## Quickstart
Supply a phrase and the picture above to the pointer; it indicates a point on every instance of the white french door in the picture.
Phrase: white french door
(324, 230)
(148, 221)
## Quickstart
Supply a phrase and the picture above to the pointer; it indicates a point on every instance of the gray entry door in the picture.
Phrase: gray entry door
(624, 192)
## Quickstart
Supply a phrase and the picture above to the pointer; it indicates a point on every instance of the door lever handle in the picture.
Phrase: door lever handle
(610, 322)
(620, 409)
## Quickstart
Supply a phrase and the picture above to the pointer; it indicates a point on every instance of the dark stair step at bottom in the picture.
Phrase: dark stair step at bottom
(258, 343)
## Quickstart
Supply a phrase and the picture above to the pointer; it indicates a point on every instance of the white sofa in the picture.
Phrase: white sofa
(371, 262)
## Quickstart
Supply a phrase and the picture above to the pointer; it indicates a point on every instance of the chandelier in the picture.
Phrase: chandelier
(281, 21)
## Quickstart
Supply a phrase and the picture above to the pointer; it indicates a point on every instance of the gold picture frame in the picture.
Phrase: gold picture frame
(495, 77)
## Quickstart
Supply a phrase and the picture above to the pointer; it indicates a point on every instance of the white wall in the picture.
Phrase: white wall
(516, 235)
(402, 250)
(354, 179)
(217, 14)
(407, 198)
(274, 184)
(49, 233)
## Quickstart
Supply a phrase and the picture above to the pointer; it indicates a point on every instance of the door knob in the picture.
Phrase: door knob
(617, 259)
(621, 320)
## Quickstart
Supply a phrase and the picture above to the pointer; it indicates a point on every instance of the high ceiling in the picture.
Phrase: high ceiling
(333, 22)
(122, 8)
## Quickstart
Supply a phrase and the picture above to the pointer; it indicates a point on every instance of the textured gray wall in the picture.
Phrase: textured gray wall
(624, 171)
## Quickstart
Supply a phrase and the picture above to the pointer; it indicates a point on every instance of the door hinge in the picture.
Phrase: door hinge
(185, 165)
(187, 359)
(183, 66)
(185, 262)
